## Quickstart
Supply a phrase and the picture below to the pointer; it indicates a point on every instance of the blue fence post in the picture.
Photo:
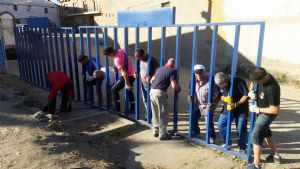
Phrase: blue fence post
(28, 55)
(88, 44)
(126, 66)
(62, 48)
(232, 77)
(38, 56)
(17, 40)
(46, 50)
(57, 56)
(33, 58)
(192, 81)
(22, 52)
(258, 63)
(67, 32)
(108, 96)
(211, 77)
(43, 57)
(148, 108)
(115, 47)
(137, 84)
(162, 46)
(52, 57)
(81, 45)
(99, 92)
(177, 64)
(76, 64)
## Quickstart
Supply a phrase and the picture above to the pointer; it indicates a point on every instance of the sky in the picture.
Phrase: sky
(55, 1)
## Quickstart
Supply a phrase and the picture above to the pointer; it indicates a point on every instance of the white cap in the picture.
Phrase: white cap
(199, 67)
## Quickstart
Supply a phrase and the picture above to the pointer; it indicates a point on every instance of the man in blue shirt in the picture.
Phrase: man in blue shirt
(88, 68)
(237, 103)
(163, 77)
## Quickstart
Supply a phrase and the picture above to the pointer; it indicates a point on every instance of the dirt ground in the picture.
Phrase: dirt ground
(107, 141)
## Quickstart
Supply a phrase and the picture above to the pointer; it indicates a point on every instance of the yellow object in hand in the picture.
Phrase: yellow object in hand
(231, 106)
(227, 99)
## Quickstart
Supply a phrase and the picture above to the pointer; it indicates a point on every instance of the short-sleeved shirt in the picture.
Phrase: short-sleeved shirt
(144, 68)
(111, 74)
(268, 93)
(240, 89)
(163, 77)
(57, 81)
(90, 67)
(119, 62)
(202, 93)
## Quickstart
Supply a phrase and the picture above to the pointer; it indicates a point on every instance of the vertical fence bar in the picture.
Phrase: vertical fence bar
(17, 40)
(137, 84)
(24, 52)
(43, 57)
(47, 55)
(67, 32)
(38, 56)
(232, 77)
(148, 108)
(51, 49)
(81, 45)
(33, 59)
(98, 65)
(62, 48)
(28, 53)
(177, 64)
(88, 44)
(258, 63)
(108, 96)
(126, 66)
(76, 64)
(213, 54)
(20, 52)
(162, 46)
(192, 81)
(115, 47)
(57, 56)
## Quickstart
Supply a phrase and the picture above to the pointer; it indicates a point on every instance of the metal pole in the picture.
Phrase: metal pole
(126, 66)
(163, 46)
(148, 108)
(137, 84)
(76, 64)
(108, 98)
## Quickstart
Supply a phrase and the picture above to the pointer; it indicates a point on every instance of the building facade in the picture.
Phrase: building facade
(79, 12)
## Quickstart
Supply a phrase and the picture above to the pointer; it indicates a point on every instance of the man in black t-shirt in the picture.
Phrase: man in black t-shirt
(267, 108)
(160, 82)
(237, 103)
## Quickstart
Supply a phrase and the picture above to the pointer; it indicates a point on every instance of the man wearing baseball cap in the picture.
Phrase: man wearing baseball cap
(237, 103)
(201, 90)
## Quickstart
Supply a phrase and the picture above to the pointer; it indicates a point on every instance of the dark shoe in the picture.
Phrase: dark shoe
(252, 166)
(155, 134)
(272, 158)
(165, 137)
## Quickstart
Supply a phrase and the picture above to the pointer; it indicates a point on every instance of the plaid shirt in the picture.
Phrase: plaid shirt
(202, 94)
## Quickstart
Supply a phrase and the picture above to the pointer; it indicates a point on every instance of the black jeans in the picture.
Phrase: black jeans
(97, 83)
(52, 104)
(119, 85)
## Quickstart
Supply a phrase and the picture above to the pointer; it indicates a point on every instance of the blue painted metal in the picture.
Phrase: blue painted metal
(126, 67)
(62, 48)
(98, 64)
(52, 57)
(37, 22)
(258, 63)
(150, 17)
(46, 49)
(28, 55)
(43, 57)
(115, 47)
(137, 84)
(35, 74)
(177, 63)
(20, 51)
(211, 73)
(76, 64)
(88, 44)
(162, 46)
(16, 33)
(67, 32)
(3, 62)
(81, 46)
(36, 45)
(108, 99)
(233, 73)
(148, 108)
(57, 56)
(192, 84)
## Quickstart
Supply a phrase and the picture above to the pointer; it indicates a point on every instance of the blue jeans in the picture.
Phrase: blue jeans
(241, 125)
(144, 94)
(195, 123)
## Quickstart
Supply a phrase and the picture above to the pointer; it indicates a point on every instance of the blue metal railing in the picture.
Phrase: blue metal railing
(39, 53)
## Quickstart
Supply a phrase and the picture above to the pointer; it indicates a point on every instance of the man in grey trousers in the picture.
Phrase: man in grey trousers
(163, 77)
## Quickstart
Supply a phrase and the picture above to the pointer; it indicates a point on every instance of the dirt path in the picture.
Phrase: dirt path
(26, 143)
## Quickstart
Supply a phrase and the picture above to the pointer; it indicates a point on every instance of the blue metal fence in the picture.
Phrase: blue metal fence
(37, 55)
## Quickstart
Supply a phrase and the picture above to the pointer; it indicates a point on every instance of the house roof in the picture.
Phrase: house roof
(42, 3)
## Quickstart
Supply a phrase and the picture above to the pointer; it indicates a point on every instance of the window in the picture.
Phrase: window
(165, 4)
(85, 7)
(15, 7)
(46, 10)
